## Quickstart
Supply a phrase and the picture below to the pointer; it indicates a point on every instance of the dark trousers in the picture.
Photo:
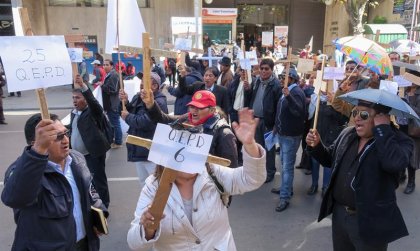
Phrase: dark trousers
(82, 245)
(345, 232)
(96, 166)
(2, 119)
(270, 164)
(172, 76)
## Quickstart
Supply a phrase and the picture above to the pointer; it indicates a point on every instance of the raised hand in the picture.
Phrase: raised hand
(245, 131)
(313, 139)
(45, 134)
(147, 97)
(78, 82)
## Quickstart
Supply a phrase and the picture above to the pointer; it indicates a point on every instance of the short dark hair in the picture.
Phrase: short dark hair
(77, 90)
(213, 70)
(267, 61)
(31, 123)
(109, 61)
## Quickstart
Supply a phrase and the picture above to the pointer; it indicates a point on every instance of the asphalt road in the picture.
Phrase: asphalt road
(255, 224)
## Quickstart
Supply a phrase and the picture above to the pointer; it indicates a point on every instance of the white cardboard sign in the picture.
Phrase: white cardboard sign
(402, 82)
(252, 56)
(331, 73)
(75, 54)
(245, 64)
(180, 150)
(32, 62)
(267, 39)
(389, 86)
(305, 65)
(183, 44)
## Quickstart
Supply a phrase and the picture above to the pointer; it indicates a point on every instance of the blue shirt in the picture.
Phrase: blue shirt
(77, 207)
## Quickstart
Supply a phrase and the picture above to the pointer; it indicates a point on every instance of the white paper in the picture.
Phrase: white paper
(131, 26)
(331, 73)
(389, 86)
(183, 44)
(305, 65)
(267, 38)
(132, 87)
(180, 150)
(245, 64)
(75, 54)
(252, 56)
(185, 25)
(402, 82)
(32, 62)
(318, 82)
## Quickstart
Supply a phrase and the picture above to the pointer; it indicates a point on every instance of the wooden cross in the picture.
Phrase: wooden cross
(71, 40)
(147, 53)
(167, 179)
(318, 101)
(288, 62)
(210, 57)
(40, 92)
(183, 53)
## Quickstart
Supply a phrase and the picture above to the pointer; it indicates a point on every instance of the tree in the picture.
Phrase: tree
(356, 10)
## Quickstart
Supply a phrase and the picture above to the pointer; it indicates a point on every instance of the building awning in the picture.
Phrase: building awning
(385, 29)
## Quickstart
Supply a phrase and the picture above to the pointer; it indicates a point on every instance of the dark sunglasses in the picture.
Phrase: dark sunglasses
(350, 68)
(178, 125)
(265, 68)
(60, 136)
(364, 115)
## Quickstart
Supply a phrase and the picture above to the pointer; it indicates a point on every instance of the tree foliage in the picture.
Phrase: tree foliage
(356, 10)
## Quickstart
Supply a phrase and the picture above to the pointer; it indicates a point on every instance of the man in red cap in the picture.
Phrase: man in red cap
(201, 112)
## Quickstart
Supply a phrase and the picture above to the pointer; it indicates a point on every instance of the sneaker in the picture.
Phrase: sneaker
(3, 122)
(114, 146)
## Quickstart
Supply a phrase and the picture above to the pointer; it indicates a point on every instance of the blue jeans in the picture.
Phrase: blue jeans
(114, 118)
(289, 146)
(315, 174)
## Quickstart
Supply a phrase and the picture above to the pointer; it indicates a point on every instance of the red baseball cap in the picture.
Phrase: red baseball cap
(203, 99)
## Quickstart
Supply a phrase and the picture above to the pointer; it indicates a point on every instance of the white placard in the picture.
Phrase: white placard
(331, 73)
(389, 86)
(35, 62)
(402, 82)
(75, 54)
(252, 56)
(185, 25)
(267, 39)
(183, 44)
(319, 84)
(180, 150)
(245, 64)
(305, 65)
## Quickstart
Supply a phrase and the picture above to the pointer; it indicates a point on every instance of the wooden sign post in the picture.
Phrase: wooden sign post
(71, 40)
(288, 62)
(318, 100)
(147, 53)
(167, 179)
(183, 52)
(40, 92)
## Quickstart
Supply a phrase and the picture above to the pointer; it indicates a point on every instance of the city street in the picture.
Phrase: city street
(255, 223)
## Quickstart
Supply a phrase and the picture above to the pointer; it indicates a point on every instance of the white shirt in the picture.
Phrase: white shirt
(239, 97)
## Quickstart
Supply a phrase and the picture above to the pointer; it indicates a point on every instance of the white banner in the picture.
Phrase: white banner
(131, 26)
(267, 39)
(180, 150)
(184, 25)
(75, 54)
(35, 62)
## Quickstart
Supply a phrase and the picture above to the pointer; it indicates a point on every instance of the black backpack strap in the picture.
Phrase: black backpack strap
(224, 196)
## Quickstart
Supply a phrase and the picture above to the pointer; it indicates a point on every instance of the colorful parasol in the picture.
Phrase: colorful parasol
(366, 53)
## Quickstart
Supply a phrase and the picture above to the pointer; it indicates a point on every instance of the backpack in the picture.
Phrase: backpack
(224, 196)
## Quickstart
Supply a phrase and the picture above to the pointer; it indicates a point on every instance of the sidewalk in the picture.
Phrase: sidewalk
(58, 98)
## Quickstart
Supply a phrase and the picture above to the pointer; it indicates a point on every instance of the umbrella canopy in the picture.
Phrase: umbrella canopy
(398, 107)
(404, 46)
(366, 53)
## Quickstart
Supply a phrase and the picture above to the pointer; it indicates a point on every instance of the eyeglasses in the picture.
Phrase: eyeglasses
(60, 136)
(265, 68)
(364, 115)
(350, 68)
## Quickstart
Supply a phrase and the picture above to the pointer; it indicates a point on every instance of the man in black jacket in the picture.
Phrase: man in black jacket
(49, 188)
(366, 161)
(111, 101)
(262, 97)
(87, 137)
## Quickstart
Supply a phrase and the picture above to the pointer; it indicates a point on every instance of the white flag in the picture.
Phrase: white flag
(131, 26)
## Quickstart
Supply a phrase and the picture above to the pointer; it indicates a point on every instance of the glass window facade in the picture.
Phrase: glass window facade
(91, 3)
